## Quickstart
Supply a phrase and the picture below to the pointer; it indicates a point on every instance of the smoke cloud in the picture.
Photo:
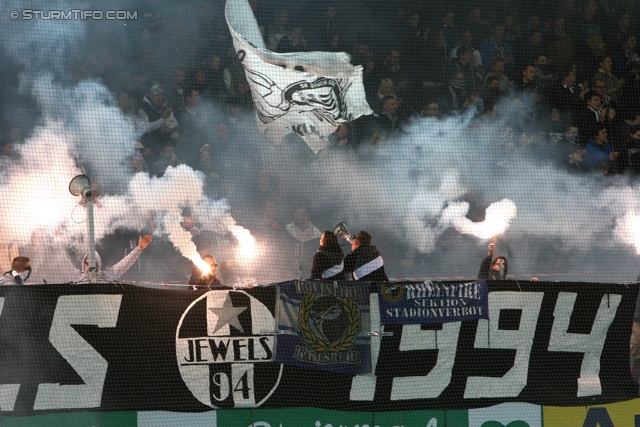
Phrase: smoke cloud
(427, 196)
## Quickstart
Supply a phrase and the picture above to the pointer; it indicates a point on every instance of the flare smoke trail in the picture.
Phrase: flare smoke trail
(405, 192)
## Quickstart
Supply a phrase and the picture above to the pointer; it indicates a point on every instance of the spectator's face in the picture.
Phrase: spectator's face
(157, 98)
(534, 21)
(508, 21)
(388, 89)
(391, 106)
(414, 20)
(494, 84)
(594, 103)
(168, 151)
(296, 33)
(467, 38)
(179, 77)
(498, 32)
(631, 43)
(573, 130)
(369, 65)
(601, 136)
(636, 135)
(555, 115)
(529, 74)
(542, 60)
(558, 26)
(570, 79)
(600, 87)
(476, 15)
(7, 149)
(498, 68)
(194, 99)
(467, 57)
(431, 110)
(606, 65)
(394, 58)
(342, 131)
(215, 63)
(123, 101)
(590, 8)
(301, 218)
(625, 21)
(221, 131)
(330, 13)
(200, 77)
(448, 18)
(233, 109)
(536, 39)
(189, 221)
(362, 49)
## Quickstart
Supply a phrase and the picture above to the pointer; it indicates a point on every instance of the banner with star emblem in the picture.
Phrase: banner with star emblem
(324, 326)
(425, 303)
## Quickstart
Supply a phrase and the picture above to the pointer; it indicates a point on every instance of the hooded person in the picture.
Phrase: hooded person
(328, 262)
(19, 273)
(364, 261)
(209, 279)
(493, 267)
(118, 269)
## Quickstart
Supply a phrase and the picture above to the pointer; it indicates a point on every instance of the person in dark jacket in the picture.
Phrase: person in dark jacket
(153, 113)
(493, 268)
(328, 261)
(365, 262)
(209, 279)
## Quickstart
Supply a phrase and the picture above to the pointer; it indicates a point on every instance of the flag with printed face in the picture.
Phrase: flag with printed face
(307, 93)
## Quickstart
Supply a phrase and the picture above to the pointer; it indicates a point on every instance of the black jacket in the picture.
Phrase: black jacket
(361, 256)
(485, 268)
(324, 259)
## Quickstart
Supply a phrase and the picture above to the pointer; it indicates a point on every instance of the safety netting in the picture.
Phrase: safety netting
(302, 213)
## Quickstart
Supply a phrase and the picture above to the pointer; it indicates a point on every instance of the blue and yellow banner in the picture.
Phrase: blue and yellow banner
(428, 302)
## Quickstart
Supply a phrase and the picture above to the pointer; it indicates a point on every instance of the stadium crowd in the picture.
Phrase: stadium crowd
(565, 75)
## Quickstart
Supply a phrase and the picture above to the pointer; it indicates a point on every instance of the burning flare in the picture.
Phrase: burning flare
(201, 264)
(497, 218)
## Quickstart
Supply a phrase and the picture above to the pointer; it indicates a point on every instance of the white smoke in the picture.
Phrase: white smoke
(498, 217)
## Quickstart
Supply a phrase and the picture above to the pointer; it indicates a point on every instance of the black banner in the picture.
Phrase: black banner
(125, 348)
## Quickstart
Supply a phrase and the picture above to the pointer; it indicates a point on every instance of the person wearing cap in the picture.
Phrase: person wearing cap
(155, 109)
(209, 279)
(117, 270)
(364, 262)
(19, 273)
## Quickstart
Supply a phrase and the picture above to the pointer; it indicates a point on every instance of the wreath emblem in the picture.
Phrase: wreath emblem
(392, 293)
(348, 338)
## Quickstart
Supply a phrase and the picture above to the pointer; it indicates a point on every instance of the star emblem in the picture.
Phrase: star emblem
(227, 314)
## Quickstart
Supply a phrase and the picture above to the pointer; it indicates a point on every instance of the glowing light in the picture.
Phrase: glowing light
(201, 264)
(247, 242)
(498, 217)
(628, 230)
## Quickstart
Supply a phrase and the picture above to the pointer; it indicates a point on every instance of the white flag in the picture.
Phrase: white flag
(311, 103)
